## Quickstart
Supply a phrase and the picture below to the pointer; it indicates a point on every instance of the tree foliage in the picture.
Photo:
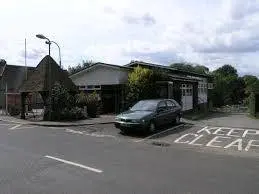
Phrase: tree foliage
(201, 69)
(249, 79)
(250, 84)
(63, 105)
(2, 62)
(79, 67)
(142, 84)
(226, 70)
(228, 87)
(91, 101)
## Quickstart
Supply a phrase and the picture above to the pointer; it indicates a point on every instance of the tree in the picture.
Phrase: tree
(252, 99)
(249, 82)
(201, 69)
(79, 67)
(2, 62)
(229, 88)
(226, 70)
(249, 79)
(238, 90)
(142, 84)
(183, 66)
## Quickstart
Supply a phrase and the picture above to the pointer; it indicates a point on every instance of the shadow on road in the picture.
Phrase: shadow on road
(161, 132)
(181, 128)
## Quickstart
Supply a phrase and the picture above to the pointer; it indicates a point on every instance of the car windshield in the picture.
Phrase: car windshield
(145, 106)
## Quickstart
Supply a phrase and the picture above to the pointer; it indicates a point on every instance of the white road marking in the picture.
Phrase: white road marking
(89, 134)
(73, 131)
(178, 140)
(225, 138)
(250, 144)
(237, 143)
(250, 132)
(20, 126)
(234, 132)
(215, 140)
(207, 130)
(221, 129)
(27, 127)
(75, 164)
(14, 127)
(149, 137)
(195, 140)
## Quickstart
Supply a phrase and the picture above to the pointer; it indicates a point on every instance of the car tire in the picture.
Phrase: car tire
(177, 120)
(152, 127)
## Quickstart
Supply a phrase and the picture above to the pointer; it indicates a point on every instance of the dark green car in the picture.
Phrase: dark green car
(148, 115)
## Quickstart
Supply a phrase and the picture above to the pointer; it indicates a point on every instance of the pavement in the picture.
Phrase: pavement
(102, 119)
(237, 120)
(98, 159)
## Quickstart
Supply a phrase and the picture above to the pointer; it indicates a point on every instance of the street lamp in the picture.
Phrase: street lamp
(40, 36)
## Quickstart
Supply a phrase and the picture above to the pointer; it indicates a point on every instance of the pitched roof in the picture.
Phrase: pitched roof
(39, 80)
(13, 75)
(173, 70)
(100, 64)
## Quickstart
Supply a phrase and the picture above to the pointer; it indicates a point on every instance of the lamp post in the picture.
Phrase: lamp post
(40, 36)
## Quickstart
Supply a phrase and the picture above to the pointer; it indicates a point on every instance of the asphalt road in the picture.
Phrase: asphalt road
(58, 160)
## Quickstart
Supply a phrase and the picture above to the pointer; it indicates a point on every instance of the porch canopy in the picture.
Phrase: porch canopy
(42, 80)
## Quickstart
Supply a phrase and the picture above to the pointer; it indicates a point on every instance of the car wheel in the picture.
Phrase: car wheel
(152, 127)
(177, 119)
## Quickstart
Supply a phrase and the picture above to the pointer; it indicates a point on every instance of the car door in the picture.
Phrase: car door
(162, 112)
(171, 110)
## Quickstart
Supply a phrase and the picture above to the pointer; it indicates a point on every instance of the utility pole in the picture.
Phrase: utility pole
(25, 60)
(6, 98)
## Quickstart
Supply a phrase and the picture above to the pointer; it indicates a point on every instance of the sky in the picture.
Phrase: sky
(207, 32)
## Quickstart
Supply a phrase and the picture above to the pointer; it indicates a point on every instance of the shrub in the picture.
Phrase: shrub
(81, 99)
(92, 104)
(75, 113)
(90, 101)
(14, 110)
(63, 105)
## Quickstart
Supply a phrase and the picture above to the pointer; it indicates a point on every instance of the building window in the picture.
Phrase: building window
(97, 87)
(93, 87)
(183, 92)
(186, 89)
(210, 86)
(81, 87)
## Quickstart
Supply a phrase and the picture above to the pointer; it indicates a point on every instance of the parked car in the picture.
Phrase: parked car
(148, 115)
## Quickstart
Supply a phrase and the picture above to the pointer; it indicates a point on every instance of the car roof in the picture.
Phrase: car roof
(155, 100)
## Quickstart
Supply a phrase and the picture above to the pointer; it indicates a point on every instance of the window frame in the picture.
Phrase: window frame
(169, 101)
(164, 108)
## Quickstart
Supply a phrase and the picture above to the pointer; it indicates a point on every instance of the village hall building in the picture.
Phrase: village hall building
(108, 80)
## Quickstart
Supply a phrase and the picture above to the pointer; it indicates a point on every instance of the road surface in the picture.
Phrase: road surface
(60, 160)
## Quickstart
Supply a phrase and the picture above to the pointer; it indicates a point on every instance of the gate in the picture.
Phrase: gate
(34, 106)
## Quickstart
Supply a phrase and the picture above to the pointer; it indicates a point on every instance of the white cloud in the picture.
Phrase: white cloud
(207, 32)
